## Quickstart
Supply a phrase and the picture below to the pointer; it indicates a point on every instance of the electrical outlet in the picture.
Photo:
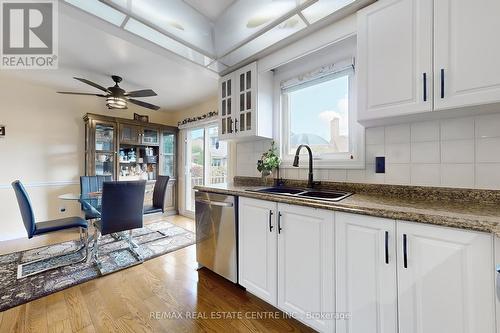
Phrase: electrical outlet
(380, 164)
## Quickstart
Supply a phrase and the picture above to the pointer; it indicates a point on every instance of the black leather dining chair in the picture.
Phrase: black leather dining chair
(89, 184)
(159, 194)
(40, 228)
(121, 210)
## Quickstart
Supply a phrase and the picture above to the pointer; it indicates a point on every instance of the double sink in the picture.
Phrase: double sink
(331, 196)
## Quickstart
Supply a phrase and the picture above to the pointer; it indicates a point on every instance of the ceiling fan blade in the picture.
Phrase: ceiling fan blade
(95, 85)
(141, 93)
(144, 104)
(77, 93)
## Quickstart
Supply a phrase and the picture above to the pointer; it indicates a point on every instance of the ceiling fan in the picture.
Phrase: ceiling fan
(116, 97)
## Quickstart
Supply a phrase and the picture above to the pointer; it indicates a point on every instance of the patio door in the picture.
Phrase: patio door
(206, 160)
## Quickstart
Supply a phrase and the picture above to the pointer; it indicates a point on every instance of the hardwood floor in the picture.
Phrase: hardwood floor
(165, 294)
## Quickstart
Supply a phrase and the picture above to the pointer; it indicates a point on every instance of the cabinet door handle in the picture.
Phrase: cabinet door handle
(270, 222)
(442, 82)
(236, 126)
(230, 125)
(279, 223)
(387, 247)
(405, 251)
(425, 87)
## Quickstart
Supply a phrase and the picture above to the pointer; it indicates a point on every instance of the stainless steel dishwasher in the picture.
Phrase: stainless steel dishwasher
(217, 233)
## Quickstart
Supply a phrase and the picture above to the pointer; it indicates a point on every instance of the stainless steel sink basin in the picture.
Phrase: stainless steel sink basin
(332, 196)
(324, 195)
(281, 190)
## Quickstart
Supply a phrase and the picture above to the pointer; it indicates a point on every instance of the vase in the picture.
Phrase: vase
(267, 178)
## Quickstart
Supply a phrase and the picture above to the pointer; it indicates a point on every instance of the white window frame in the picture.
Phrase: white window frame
(355, 158)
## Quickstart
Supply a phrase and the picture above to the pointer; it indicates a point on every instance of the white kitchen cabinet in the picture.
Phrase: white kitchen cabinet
(245, 110)
(257, 248)
(445, 280)
(467, 51)
(306, 265)
(365, 249)
(394, 62)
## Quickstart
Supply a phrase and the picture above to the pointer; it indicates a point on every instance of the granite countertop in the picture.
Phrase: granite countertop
(471, 215)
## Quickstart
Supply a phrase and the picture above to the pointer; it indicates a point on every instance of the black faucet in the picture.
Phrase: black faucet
(310, 181)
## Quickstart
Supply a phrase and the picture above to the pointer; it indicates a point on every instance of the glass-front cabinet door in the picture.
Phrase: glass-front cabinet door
(150, 136)
(226, 101)
(167, 167)
(105, 149)
(246, 98)
(130, 134)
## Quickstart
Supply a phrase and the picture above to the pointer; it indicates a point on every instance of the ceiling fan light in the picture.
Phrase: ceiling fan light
(116, 103)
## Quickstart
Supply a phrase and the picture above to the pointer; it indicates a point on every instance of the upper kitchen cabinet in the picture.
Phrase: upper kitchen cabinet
(394, 63)
(416, 56)
(246, 104)
(466, 53)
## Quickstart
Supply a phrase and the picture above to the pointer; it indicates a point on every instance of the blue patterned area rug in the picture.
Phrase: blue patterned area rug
(154, 239)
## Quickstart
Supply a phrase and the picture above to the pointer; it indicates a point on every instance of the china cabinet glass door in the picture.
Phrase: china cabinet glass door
(104, 160)
(150, 136)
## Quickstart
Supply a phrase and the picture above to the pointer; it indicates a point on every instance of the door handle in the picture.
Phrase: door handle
(236, 126)
(497, 286)
(215, 203)
(405, 251)
(442, 82)
(425, 86)
(279, 223)
(386, 247)
(270, 222)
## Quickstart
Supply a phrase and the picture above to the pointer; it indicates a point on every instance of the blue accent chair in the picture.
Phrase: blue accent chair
(90, 184)
(159, 194)
(41, 228)
(122, 210)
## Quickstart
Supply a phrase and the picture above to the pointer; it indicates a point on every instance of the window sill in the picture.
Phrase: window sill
(325, 164)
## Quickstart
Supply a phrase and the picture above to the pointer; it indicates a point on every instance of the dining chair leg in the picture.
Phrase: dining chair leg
(83, 245)
(133, 246)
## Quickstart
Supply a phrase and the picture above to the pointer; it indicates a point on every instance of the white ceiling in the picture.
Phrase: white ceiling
(93, 49)
(212, 9)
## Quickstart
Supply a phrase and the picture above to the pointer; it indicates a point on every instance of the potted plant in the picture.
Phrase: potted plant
(268, 163)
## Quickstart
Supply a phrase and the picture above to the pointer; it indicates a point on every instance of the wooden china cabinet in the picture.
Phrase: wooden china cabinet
(127, 149)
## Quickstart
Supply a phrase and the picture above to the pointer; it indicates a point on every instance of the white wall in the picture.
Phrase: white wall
(456, 152)
(44, 148)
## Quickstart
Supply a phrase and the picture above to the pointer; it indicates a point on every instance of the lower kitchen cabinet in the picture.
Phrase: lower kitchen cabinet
(257, 255)
(365, 250)
(286, 258)
(445, 280)
(305, 265)
(388, 276)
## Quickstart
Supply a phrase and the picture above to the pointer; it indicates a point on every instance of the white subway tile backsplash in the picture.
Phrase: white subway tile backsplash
(425, 174)
(457, 128)
(425, 152)
(372, 177)
(397, 153)
(457, 151)
(488, 150)
(375, 136)
(337, 175)
(373, 151)
(397, 174)
(457, 175)
(397, 134)
(488, 126)
(356, 176)
(488, 176)
(425, 131)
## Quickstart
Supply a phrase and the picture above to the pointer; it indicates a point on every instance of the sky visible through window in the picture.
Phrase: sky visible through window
(319, 116)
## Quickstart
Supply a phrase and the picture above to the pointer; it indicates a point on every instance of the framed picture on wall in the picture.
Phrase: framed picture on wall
(144, 119)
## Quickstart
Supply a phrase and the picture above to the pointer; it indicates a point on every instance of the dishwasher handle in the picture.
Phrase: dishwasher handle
(215, 203)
